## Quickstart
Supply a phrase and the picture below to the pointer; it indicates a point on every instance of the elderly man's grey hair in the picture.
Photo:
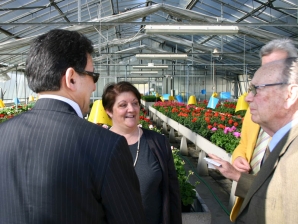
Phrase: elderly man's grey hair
(289, 72)
(283, 44)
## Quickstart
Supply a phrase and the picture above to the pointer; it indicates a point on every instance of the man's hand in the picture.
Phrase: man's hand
(241, 165)
(226, 168)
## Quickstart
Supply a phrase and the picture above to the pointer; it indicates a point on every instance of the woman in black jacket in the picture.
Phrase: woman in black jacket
(151, 152)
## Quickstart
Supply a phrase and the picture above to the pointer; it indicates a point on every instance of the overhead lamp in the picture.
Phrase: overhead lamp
(4, 77)
(151, 66)
(185, 29)
(141, 76)
(144, 72)
(161, 56)
(215, 53)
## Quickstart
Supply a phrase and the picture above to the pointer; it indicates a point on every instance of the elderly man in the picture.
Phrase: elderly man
(246, 156)
(269, 196)
(250, 151)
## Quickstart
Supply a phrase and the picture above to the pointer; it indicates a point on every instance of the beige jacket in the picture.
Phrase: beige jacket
(271, 196)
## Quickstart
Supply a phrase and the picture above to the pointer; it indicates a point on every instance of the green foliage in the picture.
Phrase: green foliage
(226, 141)
(150, 98)
(202, 104)
(144, 123)
(9, 112)
(241, 113)
(207, 122)
(226, 107)
(187, 190)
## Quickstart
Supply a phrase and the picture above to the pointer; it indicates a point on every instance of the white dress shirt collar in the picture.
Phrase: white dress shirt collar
(73, 104)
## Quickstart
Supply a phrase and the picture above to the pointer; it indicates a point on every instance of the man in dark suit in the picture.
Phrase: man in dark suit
(270, 195)
(56, 167)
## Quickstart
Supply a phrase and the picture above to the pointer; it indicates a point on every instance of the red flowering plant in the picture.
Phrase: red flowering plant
(145, 122)
(229, 107)
(202, 104)
(9, 112)
(218, 126)
(167, 106)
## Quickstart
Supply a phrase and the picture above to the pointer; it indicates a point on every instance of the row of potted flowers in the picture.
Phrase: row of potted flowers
(9, 112)
(221, 126)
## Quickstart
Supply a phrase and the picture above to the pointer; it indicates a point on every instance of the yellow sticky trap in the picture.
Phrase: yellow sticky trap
(215, 94)
(98, 115)
(192, 100)
(2, 105)
(241, 103)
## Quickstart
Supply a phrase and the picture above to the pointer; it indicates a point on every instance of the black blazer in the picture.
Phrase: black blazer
(161, 148)
(59, 168)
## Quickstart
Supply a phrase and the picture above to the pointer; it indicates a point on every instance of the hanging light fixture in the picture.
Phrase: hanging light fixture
(161, 56)
(186, 29)
(4, 77)
(146, 76)
(144, 72)
(215, 53)
(151, 66)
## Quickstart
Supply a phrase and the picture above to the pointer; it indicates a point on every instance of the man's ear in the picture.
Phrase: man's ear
(70, 78)
(292, 95)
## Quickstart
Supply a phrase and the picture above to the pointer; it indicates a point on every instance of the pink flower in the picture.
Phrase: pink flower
(233, 128)
(237, 134)
(213, 129)
(105, 126)
(229, 129)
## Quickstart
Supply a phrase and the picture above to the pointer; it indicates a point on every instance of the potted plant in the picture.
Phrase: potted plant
(9, 112)
(187, 190)
(221, 128)
(150, 98)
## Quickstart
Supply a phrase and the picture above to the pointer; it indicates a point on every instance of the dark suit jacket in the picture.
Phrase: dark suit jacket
(59, 168)
(271, 196)
(161, 148)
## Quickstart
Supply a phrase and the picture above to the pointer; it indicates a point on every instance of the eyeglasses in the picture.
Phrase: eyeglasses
(253, 88)
(94, 75)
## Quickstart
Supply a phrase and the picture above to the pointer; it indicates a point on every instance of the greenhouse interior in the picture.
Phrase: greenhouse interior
(172, 47)
(193, 60)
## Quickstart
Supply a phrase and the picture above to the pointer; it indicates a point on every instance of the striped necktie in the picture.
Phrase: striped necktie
(266, 154)
(260, 148)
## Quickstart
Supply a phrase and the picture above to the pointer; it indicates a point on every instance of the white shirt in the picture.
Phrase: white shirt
(73, 104)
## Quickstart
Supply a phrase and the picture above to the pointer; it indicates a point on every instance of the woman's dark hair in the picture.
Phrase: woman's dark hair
(112, 90)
